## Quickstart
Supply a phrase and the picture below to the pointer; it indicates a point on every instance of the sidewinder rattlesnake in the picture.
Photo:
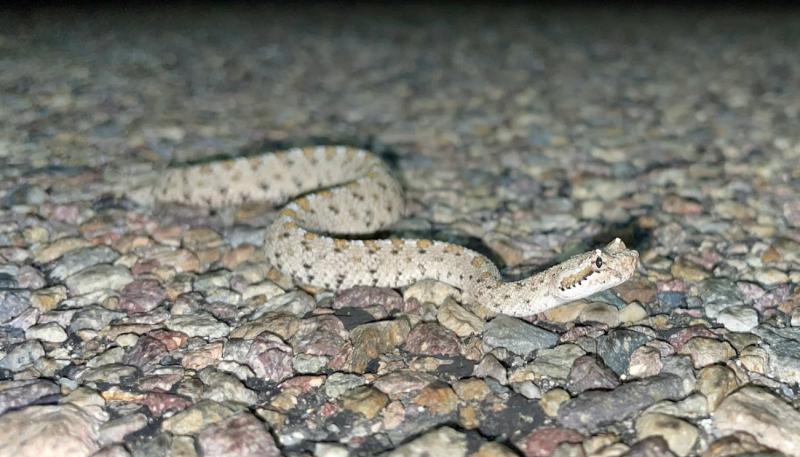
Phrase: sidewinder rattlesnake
(350, 192)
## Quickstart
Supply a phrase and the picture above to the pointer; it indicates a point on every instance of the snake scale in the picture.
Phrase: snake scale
(336, 192)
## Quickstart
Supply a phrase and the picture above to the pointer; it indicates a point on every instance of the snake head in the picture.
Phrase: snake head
(585, 274)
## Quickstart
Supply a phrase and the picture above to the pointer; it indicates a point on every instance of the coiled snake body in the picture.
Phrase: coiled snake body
(350, 192)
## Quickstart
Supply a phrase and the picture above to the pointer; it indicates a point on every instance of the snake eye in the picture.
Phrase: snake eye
(598, 262)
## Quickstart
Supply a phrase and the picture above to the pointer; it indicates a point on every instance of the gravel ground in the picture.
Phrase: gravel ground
(131, 330)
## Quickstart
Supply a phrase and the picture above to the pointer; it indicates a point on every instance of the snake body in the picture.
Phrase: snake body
(346, 192)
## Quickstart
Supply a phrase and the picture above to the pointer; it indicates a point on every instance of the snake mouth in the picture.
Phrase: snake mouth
(571, 281)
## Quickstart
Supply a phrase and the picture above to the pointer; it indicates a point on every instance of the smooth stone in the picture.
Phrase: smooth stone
(517, 336)
(270, 358)
(617, 346)
(80, 259)
(197, 417)
(443, 441)
(200, 324)
(716, 382)
(707, 351)
(588, 373)
(16, 394)
(679, 434)
(595, 409)
(552, 400)
(738, 318)
(371, 340)
(98, 278)
(458, 320)
(22, 355)
(365, 400)
(48, 431)
(429, 338)
(12, 303)
(645, 361)
(50, 332)
(632, 312)
(242, 435)
(757, 411)
(780, 354)
(600, 312)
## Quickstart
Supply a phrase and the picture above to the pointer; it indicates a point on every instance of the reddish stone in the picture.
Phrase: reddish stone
(542, 441)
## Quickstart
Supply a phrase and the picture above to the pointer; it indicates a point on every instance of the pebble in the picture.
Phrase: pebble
(517, 335)
(706, 351)
(47, 299)
(600, 312)
(589, 373)
(716, 382)
(81, 259)
(364, 400)
(371, 340)
(679, 434)
(738, 318)
(48, 431)
(633, 312)
(270, 358)
(552, 400)
(241, 435)
(616, 348)
(22, 355)
(755, 410)
(200, 324)
(440, 441)
(141, 296)
(195, 418)
(645, 361)
(594, 409)
(19, 393)
(98, 278)
(543, 441)
(49, 333)
(458, 320)
(12, 303)
(429, 338)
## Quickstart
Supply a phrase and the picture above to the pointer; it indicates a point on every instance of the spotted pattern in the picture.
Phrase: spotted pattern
(349, 192)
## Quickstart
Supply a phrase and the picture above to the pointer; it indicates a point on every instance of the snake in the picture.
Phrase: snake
(336, 197)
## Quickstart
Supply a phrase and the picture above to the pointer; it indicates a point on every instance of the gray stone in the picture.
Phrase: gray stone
(517, 336)
(22, 355)
(617, 346)
(74, 261)
(48, 431)
(12, 303)
(240, 435)
(98, 278)
(594, 409)
(738, 318)
(200, 324)
(16, 394)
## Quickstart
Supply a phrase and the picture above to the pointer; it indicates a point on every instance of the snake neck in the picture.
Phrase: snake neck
(518, 298)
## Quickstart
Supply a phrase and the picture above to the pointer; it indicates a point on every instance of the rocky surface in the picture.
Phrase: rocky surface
(132, 329)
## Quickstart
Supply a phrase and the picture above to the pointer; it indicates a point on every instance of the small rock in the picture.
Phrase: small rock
(645, 361)
(197, 417)
(16, 394)
(716, 382)
(339, 383)
(115, 430)
(738, 318)
(617, 346)
(12, 303)
(707, 351)
(492, 368)
(241, 435)
(771, 276)
(552, 400)
(679, 434)
(517, 335)
(595, 409)
(587, 373)
(437, 399)
(48, 431)
(200, 324)
(756, 411)
(543, 441)
(22, 355)
(376, 338)
(270, 358)
(97, 278)
(429, 338)
(633, 312)
(442, 441)
(365, 400)
(50, 332)
(141, 296)
(457, 319)
(81, 259)
(47, 299)
(600, 312)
